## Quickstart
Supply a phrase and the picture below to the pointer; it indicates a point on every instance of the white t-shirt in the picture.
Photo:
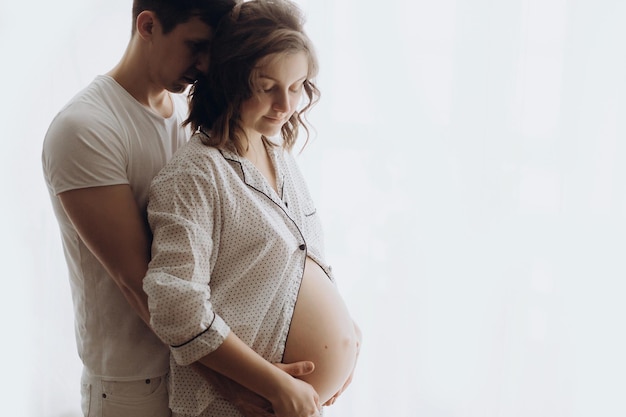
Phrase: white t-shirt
(103, 136)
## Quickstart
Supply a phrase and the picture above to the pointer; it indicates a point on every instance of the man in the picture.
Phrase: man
(99, 156)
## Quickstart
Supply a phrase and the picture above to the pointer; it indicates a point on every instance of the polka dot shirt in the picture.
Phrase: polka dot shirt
(228, 254)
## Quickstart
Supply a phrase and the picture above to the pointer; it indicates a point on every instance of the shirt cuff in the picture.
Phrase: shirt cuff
(202, 345)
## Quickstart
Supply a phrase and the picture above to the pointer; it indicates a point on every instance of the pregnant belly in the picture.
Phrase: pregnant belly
(322, 331)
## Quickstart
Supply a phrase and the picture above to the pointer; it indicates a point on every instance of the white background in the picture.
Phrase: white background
(470, 168)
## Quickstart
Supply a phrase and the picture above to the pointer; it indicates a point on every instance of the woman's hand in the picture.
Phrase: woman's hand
(359, 336)
(297, 369)
(296, 398)
(247, 402)
(288, 396)
(332, 399)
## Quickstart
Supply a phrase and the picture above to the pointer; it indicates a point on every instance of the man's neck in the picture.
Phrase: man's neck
(131, 73)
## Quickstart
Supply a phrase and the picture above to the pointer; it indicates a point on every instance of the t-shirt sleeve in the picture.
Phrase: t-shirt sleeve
(84, 147)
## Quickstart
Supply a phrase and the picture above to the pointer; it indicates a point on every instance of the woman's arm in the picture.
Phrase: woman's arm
(183, 214)
(290, 397)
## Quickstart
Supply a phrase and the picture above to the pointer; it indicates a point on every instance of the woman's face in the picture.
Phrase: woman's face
(279, 79)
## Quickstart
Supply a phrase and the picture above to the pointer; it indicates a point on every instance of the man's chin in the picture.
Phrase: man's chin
(178, 88)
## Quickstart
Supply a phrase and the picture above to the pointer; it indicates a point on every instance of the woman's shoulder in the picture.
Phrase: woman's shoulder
(196, 153)
(194, 171)
(193, 159)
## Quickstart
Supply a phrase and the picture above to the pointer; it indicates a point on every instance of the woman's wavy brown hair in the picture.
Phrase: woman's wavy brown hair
(252, 31)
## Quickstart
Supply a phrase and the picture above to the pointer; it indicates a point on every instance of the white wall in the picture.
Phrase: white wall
(470, 173)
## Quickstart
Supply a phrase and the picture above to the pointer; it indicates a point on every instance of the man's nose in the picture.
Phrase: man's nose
(202, 62)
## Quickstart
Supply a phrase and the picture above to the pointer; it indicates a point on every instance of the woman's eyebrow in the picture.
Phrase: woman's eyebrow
(274, 79)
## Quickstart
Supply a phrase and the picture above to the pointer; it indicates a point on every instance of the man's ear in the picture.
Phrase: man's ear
(146, 22)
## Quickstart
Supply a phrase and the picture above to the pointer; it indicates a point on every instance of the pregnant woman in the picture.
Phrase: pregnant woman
(238, 278)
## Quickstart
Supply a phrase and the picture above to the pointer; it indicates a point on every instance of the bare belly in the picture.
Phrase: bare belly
(322, 331)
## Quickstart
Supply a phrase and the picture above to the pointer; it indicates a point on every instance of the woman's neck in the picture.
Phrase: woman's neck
(254, 148)
(257, 153)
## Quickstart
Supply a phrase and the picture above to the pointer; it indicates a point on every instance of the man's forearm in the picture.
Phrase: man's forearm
(111, 225)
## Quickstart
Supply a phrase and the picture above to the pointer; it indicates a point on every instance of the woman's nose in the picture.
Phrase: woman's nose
(281, 102)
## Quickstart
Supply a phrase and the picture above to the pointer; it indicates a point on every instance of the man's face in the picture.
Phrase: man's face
(180, 55)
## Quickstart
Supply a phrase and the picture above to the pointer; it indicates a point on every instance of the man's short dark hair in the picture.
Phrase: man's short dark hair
(174, 12)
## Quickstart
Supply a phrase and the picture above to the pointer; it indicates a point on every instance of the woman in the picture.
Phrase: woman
(238, 278)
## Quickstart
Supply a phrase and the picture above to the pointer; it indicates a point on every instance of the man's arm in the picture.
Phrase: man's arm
(114, 229)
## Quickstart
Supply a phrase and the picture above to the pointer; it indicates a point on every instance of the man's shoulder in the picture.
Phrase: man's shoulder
(92, 101)
(87, 115)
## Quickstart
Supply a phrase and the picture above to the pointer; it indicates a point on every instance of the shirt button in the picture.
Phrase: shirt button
(302, 247)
